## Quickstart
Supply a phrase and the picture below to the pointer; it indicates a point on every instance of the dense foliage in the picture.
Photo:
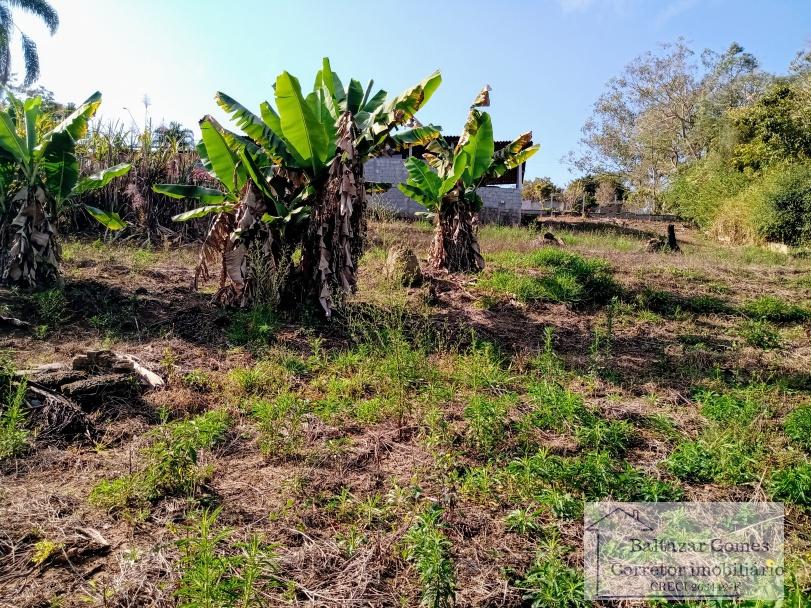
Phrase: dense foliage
(721, 142)
(447, 180)
(293, 183)
(40, 178)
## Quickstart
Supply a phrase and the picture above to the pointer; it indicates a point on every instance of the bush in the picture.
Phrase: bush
(697, 191)
(787, 205)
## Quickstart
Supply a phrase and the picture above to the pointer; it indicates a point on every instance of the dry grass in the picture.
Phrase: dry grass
(350, 476)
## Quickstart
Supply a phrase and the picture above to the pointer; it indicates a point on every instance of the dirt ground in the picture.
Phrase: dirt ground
(143, 305)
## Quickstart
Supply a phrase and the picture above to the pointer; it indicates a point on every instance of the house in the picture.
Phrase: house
(501, 196)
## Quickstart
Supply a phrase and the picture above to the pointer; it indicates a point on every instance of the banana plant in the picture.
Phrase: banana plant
(294, 179)
(446, 181)
(46, 179)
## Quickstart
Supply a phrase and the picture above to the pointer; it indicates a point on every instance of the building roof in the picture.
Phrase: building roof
(509, 178)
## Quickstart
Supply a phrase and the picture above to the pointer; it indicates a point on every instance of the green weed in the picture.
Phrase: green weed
(280, 424)
(254, 327)
(487, 421)
(612, 436)
(215, 573)
(775, 310)
(522, 521)
(798, 426)
(172, 467)
(550, 581)
(555, 407)
(567, 278)
(792, 485)
(727, 408)
(13, 434)
(760, 334)
(52, 307)
(426, 545)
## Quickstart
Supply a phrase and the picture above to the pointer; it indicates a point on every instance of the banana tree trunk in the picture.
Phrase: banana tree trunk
(253, 268)
(455, 247)
(337, 229)
(33, 257)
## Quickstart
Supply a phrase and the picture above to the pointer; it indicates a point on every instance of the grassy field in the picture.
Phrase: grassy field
(432, 444)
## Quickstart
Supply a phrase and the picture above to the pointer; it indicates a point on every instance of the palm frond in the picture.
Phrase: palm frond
(31, 61)
(41, 9)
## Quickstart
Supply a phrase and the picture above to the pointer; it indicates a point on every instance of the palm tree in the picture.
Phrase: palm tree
(40, 8)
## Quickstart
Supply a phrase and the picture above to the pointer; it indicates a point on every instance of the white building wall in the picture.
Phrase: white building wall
(501, 204)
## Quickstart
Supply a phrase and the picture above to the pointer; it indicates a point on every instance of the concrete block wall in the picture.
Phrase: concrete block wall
(501, 205)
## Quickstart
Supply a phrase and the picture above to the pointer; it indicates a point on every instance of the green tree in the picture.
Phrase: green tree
(539, 189)
(41, 178)
(294, 180)
(447, 180)
(663, 111)
(39, 8)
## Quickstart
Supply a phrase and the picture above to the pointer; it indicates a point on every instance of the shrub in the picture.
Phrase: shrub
(798, 426)
(787, 205)
(698, 190)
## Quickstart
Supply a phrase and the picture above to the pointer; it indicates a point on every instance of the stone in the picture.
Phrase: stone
(403, 266)
(548, 239)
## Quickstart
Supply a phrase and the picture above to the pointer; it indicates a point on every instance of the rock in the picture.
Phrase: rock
(403, 266)
(94, 360)
(548, 239)
(655, 244)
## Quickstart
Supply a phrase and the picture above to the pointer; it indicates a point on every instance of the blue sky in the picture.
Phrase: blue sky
(546, 60)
